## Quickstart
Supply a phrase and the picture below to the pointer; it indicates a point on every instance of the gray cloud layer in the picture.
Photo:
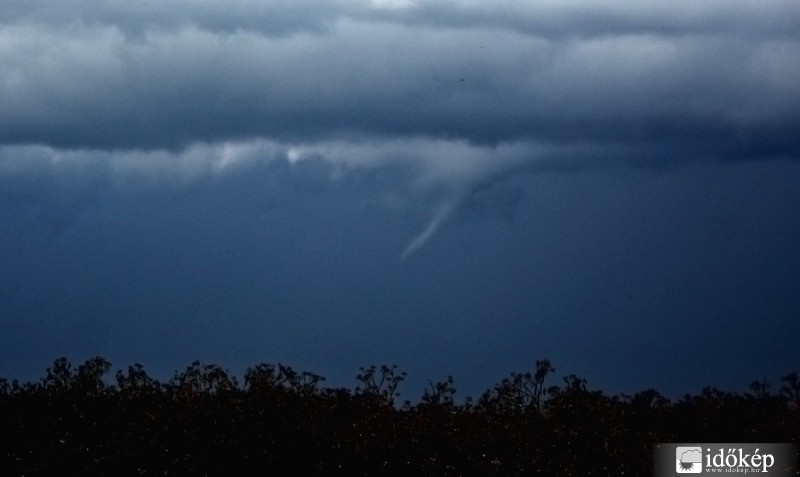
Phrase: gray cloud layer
(666, 81)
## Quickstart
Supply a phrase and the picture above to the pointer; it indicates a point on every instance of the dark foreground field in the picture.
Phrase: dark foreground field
(283, 422)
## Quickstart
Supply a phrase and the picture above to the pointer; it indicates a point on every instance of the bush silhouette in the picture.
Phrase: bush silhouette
(280, 421)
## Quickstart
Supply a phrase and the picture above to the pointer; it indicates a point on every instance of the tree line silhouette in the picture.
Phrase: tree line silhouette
(280, 421)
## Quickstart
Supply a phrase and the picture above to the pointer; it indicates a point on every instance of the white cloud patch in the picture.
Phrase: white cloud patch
(393, 4)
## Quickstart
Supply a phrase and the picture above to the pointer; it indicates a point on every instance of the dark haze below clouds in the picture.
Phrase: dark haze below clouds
(455, 187)
(622, 276)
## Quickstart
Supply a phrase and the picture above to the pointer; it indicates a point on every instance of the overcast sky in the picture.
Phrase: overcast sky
(458, 187)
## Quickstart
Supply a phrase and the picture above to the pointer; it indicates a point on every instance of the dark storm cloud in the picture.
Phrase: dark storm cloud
(657, 82)
(455, 92)
(248, 180)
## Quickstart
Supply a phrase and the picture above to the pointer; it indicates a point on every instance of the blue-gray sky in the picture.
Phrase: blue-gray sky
(457, 187)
